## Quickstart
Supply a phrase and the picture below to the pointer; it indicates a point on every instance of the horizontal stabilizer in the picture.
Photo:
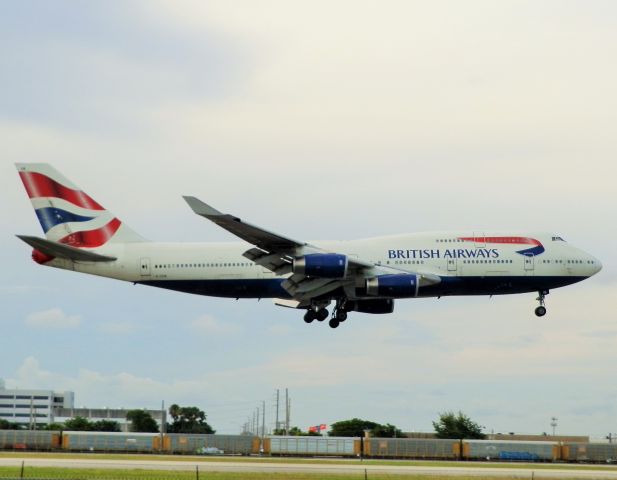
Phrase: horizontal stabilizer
(60, 250)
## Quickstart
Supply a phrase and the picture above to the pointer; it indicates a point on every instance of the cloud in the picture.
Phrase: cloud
(209, 325)
(52, 318)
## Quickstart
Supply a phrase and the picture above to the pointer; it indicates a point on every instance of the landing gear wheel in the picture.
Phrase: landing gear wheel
(309, 316)
(322, 314)
(540, 311)
(341, 315)
(333, 323)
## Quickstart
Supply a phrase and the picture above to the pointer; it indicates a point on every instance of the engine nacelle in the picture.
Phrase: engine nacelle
(376, 306)
(394, 286)
(326, 265)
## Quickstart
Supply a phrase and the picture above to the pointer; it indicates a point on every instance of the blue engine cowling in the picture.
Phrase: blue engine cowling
(326, 265)
(393, 286)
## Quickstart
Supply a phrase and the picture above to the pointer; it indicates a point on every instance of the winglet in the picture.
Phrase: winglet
(201, 208)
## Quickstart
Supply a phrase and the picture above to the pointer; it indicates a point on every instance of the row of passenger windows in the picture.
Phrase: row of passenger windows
(409, 262)
(448, 240)
(589, 262)
(203, 265)
(487, 261)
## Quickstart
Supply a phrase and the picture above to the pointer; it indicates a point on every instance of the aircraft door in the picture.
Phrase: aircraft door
(451, 262)
(529, 262)
(144, 267)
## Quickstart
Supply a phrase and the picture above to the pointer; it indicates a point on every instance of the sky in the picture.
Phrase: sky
(323, 119)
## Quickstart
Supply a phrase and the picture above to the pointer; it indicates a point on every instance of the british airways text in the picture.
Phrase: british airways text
(448, 253)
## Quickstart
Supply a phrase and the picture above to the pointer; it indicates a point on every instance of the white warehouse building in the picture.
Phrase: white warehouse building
(30, 407)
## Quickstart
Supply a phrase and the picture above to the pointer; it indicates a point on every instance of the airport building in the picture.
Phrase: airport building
(32, 407)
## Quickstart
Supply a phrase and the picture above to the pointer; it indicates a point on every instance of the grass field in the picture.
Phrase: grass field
(99, 474)
(336, 461)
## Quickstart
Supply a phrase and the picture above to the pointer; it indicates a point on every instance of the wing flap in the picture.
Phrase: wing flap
(275, 262)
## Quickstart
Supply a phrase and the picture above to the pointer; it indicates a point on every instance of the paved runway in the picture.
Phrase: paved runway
(263, 465)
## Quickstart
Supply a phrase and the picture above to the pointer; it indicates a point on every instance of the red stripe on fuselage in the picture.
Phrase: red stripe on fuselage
(506, 240)
(39, 185)
(92, 238)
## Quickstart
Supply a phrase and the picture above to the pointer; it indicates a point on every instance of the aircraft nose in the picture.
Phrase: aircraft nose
(597, 265)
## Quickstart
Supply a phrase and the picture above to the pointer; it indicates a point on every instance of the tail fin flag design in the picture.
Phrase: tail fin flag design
(67, 214)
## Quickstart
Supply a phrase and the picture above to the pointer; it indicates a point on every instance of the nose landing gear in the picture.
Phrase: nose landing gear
(541, 310)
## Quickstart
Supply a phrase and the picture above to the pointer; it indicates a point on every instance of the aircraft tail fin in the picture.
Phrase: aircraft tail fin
(67, 214)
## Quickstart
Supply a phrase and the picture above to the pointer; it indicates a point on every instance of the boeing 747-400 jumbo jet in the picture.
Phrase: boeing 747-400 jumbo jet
(364, 275)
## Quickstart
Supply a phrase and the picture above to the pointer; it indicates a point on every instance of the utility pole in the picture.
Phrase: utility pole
(276, 423)
(263, 419)
(163, 424)
(286, 411)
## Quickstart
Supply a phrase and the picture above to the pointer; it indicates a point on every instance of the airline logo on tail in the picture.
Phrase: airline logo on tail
(67, 214)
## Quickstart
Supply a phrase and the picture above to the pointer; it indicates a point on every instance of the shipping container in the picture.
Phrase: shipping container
(109, 441)
(29, 440)
(328, 446)
(412, 448)
(201, 443)
(589, 452)
(510, 450)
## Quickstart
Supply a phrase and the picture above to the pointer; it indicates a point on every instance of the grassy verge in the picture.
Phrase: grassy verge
(293, 460)
(50, 473)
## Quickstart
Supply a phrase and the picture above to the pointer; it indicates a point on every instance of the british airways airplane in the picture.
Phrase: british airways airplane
(364, 275)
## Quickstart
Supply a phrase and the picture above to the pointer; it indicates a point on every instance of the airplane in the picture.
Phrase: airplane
(365, 275)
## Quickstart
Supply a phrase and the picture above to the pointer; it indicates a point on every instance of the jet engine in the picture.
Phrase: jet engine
(326, 265)
(394, 286)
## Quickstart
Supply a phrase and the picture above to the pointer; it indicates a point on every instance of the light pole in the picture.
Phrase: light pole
(554, 424)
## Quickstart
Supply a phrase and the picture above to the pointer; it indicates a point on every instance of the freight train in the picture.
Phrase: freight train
(353, 447)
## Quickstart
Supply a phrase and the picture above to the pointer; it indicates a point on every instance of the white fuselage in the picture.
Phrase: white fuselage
(495, 268)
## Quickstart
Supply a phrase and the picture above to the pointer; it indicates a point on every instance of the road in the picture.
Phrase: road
(263, 465)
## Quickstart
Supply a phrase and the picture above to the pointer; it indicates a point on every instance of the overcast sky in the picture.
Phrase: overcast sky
(317, 120)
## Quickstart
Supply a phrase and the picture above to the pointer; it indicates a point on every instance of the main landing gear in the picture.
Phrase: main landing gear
(320, 313)
(541, 310)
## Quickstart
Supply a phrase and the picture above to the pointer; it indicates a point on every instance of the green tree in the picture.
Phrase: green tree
(106, 426)
(386, 431)
(351, 428)
(451, 425)
(55, 426)
(141, 421)
(78, 424)
(6, 425)
(188, 420)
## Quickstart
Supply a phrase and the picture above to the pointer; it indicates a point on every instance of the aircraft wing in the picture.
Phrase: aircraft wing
(258, 236)
(276, 253)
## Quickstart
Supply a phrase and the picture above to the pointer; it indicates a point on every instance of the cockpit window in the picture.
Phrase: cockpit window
(558, 239)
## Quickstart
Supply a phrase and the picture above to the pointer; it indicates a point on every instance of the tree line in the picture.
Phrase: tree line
(184, 420)
(448, 425)
(193, 420)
